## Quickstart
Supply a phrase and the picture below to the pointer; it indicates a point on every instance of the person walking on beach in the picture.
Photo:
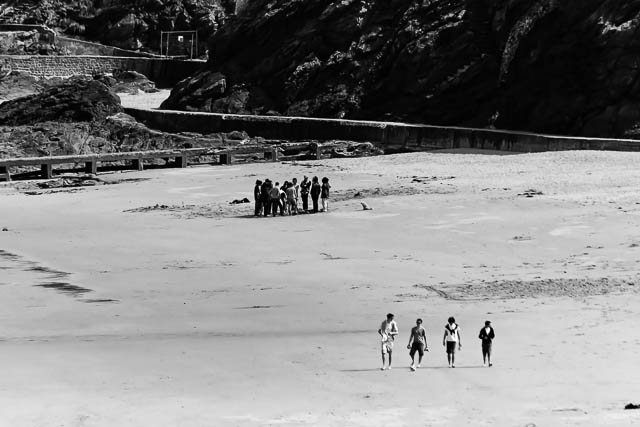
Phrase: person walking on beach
(451, 340)
(487, 335)
(266, 197)
(257, 197)
(324, 194)
(388, 330)
(305, 185)
(274, 195)
(315, 193)
(417, 343)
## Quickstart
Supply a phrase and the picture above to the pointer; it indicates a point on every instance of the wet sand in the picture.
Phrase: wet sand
(172, 307)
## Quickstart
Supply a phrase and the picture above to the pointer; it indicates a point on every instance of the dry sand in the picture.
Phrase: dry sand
(144, 100)
(120, 313)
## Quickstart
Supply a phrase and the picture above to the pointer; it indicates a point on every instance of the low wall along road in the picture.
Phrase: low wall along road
(392, 137)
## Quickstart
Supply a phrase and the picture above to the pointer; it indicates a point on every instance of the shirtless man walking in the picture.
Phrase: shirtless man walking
(388, 330)
(417, 343)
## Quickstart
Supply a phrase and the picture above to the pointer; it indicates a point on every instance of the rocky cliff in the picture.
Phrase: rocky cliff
(128, 24)
(560, 66)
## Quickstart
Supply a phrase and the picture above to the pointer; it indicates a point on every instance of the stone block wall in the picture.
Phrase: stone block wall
(164, 72)
(75, 47)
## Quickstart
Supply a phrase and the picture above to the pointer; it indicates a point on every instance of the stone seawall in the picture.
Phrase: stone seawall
(392, 137)
(76, 47)
(164, 72)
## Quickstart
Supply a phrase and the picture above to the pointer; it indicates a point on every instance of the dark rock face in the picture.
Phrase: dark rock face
(554, 66)
(74, 100)
(202, 88)
(127, 24)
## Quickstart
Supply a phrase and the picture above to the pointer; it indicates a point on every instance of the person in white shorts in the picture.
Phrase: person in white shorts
(388, 330)
(451, 340)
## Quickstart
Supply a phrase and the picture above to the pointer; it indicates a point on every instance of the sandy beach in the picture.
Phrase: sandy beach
(144, 100)
(154, 302)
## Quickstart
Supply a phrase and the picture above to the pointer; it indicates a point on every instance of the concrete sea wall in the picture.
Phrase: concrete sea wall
(164, 72)
(392, 137)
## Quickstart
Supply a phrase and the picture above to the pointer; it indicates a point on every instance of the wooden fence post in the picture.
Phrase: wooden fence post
(4, 172)
(47, 171)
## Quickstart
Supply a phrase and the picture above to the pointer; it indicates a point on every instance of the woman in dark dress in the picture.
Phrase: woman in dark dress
(315, 193)
(257, 197)
(264, 195)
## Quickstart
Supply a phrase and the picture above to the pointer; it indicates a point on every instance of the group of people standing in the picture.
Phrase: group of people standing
(418, 341)
(271, 198)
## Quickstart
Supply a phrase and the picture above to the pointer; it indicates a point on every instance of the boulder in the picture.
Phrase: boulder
(200, 89)
(131, 82)
(73, 100)
(16, 84)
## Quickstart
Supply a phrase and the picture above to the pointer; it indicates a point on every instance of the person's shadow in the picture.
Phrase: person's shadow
(400, 368)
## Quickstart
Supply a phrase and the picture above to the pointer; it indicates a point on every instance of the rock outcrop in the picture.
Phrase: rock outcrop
(16, 84)
(25, 43)
(73, 100)
(129, 82)
(557, 66)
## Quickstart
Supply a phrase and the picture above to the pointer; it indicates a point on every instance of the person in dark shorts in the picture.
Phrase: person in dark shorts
(417, 343)
(315, 193)
(487, 335)
(451, 340)
(257, 197)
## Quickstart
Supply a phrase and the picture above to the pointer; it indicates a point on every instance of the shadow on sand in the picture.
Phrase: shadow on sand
(406, 368)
